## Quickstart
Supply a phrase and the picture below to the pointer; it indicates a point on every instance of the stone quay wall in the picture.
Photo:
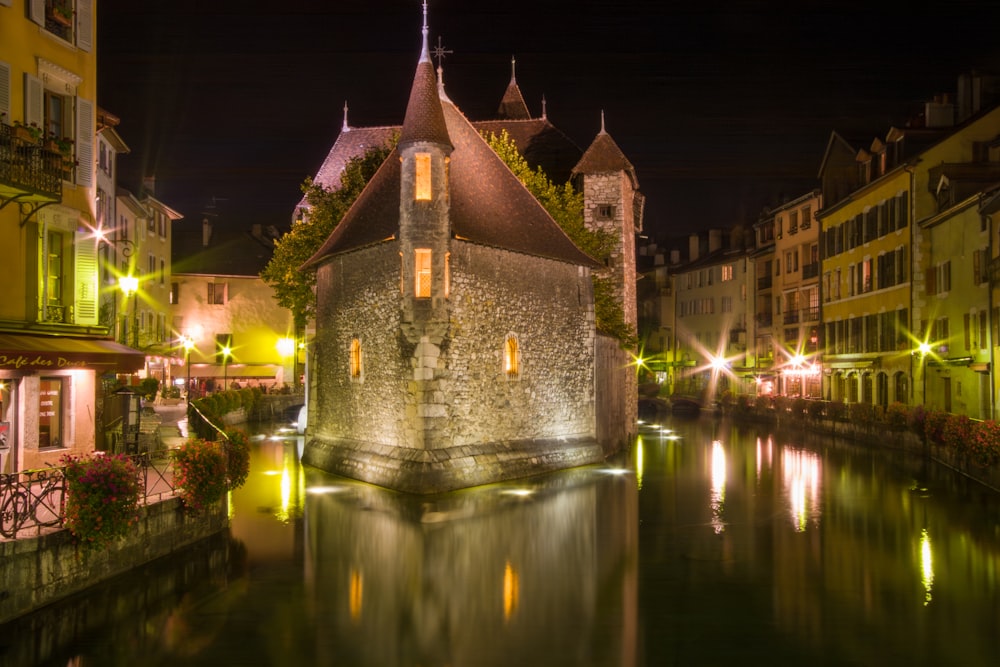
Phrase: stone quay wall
(38, 571)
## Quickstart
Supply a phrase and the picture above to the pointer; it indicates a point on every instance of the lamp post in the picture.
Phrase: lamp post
(130, 285)
(226, 351)
(188, 344)
(924, 350)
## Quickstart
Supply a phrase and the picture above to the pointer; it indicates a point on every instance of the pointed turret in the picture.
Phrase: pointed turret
(604, 156)
(512, 106)
(424, 120)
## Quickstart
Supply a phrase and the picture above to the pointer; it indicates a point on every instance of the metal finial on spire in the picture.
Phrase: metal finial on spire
(440, 52)
(602, 122)
(513, 77)
(424, 51)
(544, 112)
(345, 128)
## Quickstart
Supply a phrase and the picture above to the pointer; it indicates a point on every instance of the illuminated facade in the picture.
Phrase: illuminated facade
(795, 294)
(473, 311)
(54, 348)
(219, 301)
(711, 298)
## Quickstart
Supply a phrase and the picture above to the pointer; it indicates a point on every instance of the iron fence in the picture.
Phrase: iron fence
(33, 501)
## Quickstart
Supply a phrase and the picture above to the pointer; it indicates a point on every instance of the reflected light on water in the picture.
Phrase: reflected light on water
(638, 462)
(800, 470)
(356, 595)
(718, 486)
(511, 591)
(520, 493)
(926, 565)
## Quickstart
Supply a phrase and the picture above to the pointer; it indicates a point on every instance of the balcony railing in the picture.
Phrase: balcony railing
(27, 168)
(810, 314)
(791, 317)
(764, 319)
(810, 270)
(764, 282)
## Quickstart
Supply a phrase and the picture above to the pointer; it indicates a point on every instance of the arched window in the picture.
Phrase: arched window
(355, 359)
(511, 357)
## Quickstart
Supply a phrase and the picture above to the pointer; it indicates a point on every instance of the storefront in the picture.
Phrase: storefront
(51, 395)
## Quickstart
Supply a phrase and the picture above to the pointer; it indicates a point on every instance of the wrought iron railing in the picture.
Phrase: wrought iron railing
(26, 165)
(33, 501)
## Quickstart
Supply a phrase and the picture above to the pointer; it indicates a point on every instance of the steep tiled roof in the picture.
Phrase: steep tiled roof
(540, 142)
(424, 120)
(351, 142)
(604, 156)
(228, 253)
(489, 206)
(512, 106)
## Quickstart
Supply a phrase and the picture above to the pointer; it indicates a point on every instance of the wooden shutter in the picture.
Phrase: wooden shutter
(5, 92)
(34, 100)
(84, 24)
(36, 11)
(86, 283)
(85, 130)
(982, 330)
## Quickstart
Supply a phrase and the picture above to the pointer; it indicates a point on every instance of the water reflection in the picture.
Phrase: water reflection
(711, 544)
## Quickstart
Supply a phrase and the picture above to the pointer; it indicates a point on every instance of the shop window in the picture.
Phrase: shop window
(50, 406)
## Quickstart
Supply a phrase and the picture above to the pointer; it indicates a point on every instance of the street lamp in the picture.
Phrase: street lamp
(226, 351)
(188, 344)
(130, 285)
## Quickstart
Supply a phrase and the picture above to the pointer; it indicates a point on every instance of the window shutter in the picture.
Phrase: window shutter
(930, 278)
(36, 11)
(976, 270)
(5, 3)
(982, 330)
(84, 24)
(34, 99)
(5, 92)
(85, 142)
(86, 284)
(968, 332)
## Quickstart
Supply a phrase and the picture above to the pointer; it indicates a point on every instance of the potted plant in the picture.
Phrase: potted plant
(27, 132)
(62, 12)
(102, 499)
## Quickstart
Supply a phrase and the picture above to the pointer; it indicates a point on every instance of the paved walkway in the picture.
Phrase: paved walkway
(173, 424)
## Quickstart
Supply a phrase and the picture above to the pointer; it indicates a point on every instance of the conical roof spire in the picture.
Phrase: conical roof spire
(424, 120)
(604, 156)
(512, 106)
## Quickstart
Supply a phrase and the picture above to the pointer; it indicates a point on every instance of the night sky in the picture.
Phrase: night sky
(722, 108)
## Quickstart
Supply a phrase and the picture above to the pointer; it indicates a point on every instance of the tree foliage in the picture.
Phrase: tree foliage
(294, 288)
(565, 205)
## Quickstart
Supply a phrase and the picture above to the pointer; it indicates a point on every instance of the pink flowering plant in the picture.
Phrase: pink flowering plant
(983, 446)
(200, 473)
(102, 498)
(237, 458)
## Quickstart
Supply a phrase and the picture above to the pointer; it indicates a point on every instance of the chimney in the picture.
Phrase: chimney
(206, 232)
(149, 185)
(693, 244)
(940, 112)
(675, 256)
(714, 240)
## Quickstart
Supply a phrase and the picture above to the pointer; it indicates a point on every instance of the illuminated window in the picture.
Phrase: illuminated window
(50, 412)
(511, 357)
(355, 359)
(422, 162)
(422, 272)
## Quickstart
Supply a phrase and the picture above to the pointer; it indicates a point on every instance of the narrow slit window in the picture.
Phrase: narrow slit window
(511, 362)
(422, 163)
(447, 275)
(422, 273)
(355, 359)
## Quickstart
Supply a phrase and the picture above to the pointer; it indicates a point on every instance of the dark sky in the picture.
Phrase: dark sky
(721, 107)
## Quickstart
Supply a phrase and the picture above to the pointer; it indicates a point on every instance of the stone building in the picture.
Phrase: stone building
(455, 341)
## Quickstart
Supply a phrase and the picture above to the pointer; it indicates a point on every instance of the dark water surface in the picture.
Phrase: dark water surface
(713, 545)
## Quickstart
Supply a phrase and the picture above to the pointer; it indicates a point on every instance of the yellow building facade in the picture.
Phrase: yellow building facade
(54, 351)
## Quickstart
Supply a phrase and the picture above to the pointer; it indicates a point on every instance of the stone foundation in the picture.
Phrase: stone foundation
(438, 470)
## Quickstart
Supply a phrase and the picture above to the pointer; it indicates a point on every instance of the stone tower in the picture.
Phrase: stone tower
(613, 203)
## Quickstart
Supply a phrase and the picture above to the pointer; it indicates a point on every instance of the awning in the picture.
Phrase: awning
(48, 353)
(232, 371)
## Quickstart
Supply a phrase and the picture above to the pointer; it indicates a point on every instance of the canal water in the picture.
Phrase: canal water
(708, 544)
